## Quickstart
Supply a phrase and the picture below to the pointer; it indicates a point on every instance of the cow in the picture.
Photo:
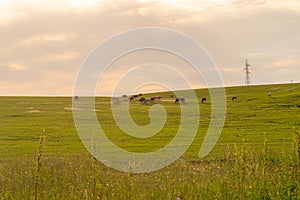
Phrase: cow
(142, 99)
(234, 98)
(115, 100)
(76, 98)
(203, 100)
(158, 98)
(180, 100)
(269, 94)
(153, 99)
(131, 98)
(145, 101)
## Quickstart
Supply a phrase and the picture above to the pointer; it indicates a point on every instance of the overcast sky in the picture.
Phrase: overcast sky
(43, 43)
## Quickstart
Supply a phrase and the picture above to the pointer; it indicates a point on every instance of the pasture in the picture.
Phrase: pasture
(256, 157)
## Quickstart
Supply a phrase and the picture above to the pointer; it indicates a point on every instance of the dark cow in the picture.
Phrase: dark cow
(180, 100)
(158, 98)
(76, 98)
(131, 98)
(269, 94)
(234, 98)
(203, 100)
(152, 99)
(145, 101)
(142, 99)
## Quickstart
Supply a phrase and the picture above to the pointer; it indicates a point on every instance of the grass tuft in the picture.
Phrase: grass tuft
(39, 155)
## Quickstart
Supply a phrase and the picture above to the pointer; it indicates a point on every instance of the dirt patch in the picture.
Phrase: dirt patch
(33, 111)
(103, 103)
(70, 108)
(276, 88)
(290, 89)
(22, 103)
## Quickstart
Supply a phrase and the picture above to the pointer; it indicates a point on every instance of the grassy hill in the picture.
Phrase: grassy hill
(256, 156)
(255, 114)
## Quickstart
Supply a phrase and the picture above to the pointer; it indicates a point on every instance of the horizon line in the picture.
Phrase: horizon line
(149, 92)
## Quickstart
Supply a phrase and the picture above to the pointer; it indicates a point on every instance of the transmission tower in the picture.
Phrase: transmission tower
(247, 73)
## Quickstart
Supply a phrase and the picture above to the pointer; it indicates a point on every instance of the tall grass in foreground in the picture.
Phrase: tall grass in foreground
(297, 160)
(239, 173)
(39, 155)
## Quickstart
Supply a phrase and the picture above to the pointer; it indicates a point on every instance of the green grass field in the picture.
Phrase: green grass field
(256, 156)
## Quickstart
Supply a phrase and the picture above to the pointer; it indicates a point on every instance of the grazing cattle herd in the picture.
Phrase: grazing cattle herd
(156, 99)
(180, 100)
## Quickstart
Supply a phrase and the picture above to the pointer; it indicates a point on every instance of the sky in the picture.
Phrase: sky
(44, 43)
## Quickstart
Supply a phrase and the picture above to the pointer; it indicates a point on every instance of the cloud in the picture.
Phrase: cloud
(284, 64)
(244, 3)
(12, 10)
(17, 67)
(62, 56)
(13, 67)
(39, 39)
